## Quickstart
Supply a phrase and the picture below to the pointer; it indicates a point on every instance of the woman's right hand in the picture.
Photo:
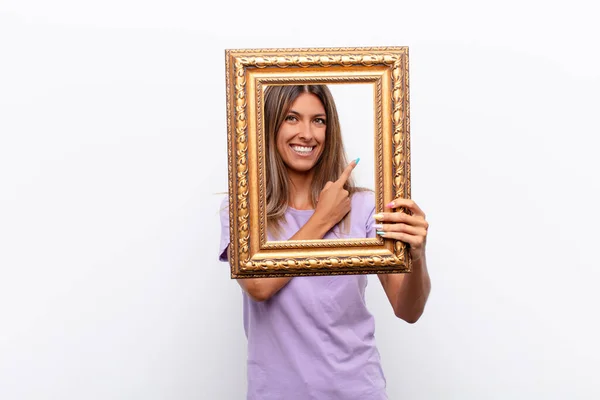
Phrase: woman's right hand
(334, 201)
(332, 205)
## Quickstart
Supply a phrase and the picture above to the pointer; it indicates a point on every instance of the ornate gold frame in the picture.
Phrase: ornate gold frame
(250, 254)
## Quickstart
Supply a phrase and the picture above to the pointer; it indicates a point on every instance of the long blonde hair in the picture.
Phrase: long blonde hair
(332, 162)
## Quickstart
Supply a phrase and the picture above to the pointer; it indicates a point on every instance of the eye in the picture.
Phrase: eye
(291, 118)
(320, 121)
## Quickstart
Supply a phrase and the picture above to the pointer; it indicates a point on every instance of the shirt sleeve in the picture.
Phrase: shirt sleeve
(224, 243)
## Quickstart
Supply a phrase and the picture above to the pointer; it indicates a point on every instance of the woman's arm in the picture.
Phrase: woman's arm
(332, 207)
(261, 289)
(407, 293)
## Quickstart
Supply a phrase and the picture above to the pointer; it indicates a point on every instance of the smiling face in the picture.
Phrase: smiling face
(301, 136)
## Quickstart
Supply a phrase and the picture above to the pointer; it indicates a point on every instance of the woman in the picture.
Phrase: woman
(313, 337)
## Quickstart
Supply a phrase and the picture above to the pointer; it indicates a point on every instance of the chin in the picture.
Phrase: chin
(300, 168)
(305, 165)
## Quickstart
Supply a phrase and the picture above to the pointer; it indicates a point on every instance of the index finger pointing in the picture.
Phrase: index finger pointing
(346, 174)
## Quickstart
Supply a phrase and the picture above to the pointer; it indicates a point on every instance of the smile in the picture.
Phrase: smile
(302, 150)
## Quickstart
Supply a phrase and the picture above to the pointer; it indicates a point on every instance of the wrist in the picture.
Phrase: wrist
(320, 223)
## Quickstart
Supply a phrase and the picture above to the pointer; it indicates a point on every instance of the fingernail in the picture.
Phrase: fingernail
(381, 233)
(378, 226)
(357, 160)
(378, 216)
(390, 205)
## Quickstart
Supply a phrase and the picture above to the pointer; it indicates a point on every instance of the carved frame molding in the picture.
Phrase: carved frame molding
(250, 254)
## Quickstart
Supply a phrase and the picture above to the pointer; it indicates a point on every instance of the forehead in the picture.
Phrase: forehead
(307, 102)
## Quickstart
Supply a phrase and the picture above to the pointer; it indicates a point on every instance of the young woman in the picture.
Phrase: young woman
(313, 337)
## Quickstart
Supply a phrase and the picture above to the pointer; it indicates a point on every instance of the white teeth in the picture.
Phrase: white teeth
(302, 149)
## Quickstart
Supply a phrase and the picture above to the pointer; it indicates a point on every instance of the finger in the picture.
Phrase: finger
(327, 185)
(415, 241)
(400, 217)
(407, 203)
(346, 174)
(412, 230)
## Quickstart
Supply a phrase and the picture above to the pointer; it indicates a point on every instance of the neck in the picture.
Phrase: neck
(300, 190)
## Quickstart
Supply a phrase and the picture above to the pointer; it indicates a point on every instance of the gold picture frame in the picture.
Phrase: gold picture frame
(247, 71)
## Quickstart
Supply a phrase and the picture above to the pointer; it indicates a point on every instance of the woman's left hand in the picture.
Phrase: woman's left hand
(410, 229)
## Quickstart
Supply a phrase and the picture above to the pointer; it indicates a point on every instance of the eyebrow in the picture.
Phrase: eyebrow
(316, 115)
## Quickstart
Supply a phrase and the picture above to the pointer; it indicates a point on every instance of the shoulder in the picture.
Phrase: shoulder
(224, 210)
(362, 211)
(364, 199)
(363, 204)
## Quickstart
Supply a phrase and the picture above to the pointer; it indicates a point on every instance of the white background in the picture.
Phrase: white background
(113, 147)
(354, 103)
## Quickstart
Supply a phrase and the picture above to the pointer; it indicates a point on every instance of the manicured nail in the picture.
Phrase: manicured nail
(378, 226)
(390, 205)
(381, 233)
(378, 216)
(357, 160)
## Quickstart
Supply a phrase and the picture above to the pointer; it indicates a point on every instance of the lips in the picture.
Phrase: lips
(302, 150)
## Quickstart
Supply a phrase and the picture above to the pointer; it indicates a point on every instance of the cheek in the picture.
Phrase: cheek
(279, 136)
(321, 135)
(280, 140)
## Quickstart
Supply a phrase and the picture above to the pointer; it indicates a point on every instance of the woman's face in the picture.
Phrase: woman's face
(301, 137)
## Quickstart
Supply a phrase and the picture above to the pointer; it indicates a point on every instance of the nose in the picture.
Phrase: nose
(306, 131)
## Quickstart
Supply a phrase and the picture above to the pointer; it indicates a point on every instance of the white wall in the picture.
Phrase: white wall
(113, 145)
(354, 103)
